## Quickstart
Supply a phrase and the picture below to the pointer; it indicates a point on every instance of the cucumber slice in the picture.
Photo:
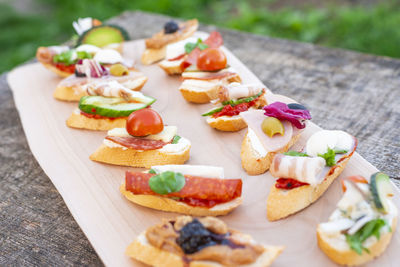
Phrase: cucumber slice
(381, 188)
(112, 107)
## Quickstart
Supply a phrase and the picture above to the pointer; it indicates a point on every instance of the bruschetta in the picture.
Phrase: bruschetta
(183, 54)
(362, 225)
(188, 189)
(144, 142)
(206, 242)
(235, 98)
(304, 176)
(172, 32)
(107, 106)
(271, 130)
(90, 71)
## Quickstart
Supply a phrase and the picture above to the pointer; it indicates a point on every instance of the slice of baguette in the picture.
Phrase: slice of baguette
(282, 203)
(171, 67)
(152, 55)
(205, 96)
(138, 158)
(82, 122)
(347, 256)
(57, 71)
(227, 124)
(253, 163)
(143, 251)
(170, 205)
(74, 93)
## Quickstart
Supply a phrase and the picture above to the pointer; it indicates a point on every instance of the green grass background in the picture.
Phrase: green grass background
(372, 28)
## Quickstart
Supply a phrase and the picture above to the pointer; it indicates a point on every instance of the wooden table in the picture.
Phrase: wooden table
(344, 90)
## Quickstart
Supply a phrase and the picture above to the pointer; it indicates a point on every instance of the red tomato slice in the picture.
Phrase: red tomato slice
(144, 122)
(211, 59)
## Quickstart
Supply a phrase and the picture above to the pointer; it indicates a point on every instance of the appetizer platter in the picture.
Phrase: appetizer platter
(127, 162)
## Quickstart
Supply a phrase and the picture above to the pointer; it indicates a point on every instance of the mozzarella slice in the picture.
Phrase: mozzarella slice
(108, 56)
(195, 170)
(91, 49)
(320, 141)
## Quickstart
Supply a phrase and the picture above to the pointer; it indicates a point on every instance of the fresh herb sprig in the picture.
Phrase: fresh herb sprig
(189, 47)
(167, 182)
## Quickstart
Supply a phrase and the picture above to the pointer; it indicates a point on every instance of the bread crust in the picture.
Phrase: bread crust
(153, 256)
(82, 122)
(136, 158)
(205, 96)
(349, 257)
(152, 55)
(282, 203)
(67, 93)
(171, 70)
(252, 163)
(170, 205)
(227, 124)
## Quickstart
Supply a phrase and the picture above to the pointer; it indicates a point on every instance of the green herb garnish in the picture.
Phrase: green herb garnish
(340, 151)
(371, 228)
(152, 171)
(167, 182)
(329, 157)
(70, 57)
(295, 154)
(175, 140)
(232, 103)
(189, 47)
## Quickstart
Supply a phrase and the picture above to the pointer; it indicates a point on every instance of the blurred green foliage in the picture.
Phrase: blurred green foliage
(373, 29)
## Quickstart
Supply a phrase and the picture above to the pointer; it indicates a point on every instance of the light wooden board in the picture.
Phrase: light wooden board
(110, 222)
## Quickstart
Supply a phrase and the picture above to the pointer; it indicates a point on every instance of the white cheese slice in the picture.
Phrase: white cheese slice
(166, 135)
(320, 141)
(195, 170)
(108, 56)
(176, 49)
(88, 48)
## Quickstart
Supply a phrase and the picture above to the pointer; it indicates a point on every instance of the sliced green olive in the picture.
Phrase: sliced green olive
(272, 126)
(118, 70)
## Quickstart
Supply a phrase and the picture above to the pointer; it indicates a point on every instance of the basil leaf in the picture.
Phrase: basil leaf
(167, 182)
(329, 157)
(340, 151)
(189, 47)
(175, 140)
(152, 171)
(371, 228)
(202, 46)
(83, 55)
(295, 154)
(64, 57)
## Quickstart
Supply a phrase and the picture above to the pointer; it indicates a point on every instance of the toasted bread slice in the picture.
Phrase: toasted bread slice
(227, 123)
(80, 121)
(143, 251)
(282, 203)
(255, 164)
(138, 158)
(170, 205)
(209, 90)
(152, 55)
(57, 71)
(75, 92)
(342, 254)
(171, 67)
(45, 56)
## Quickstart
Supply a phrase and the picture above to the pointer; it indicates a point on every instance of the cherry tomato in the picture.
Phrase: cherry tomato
(211, 59)
(355, 179)
(144, 122)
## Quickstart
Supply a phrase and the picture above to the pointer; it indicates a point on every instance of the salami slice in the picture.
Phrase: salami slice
(218, 190)
(214, 40)
(137, 143)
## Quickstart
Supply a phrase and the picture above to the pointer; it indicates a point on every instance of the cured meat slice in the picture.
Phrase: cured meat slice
(219, 190)
(137, 143)
(254, 118)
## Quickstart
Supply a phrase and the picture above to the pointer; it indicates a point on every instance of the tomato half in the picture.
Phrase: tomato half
(144, 122)
(211, 59)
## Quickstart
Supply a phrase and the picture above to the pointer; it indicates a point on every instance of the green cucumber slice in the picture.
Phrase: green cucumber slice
(381, 188)
(112, 107)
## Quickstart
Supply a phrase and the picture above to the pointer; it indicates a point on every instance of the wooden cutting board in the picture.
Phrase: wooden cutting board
(110, 222)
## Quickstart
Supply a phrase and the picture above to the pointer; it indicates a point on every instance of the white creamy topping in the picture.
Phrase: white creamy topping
(88, 48)
(256, 144)
(179, 147)
(59, 49)
(111, 144)
(108, 56)
(195, 170)
(199, 85)
(82, 25)
(320, 141)
(176, 49)
(202, 74)
(237, 90)
(166, 135)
